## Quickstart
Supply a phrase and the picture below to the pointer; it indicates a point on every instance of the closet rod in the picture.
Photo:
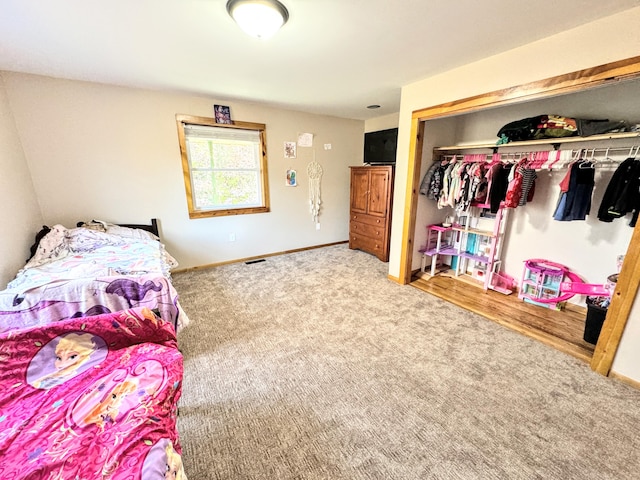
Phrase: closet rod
(576, 155)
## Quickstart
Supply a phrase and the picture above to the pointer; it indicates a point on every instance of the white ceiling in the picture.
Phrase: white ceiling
(333, 57)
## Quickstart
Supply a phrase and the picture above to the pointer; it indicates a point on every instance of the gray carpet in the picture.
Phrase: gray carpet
(313, 365)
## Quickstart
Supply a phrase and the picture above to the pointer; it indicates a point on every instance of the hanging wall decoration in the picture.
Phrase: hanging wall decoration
(305, 139)
(292, 178)
(314, 170)
(289, 149)
(222, 114)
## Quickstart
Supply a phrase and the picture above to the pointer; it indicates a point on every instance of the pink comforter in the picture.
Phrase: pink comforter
(91, 398)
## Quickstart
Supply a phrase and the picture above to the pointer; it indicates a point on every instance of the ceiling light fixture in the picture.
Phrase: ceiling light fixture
(259, 18)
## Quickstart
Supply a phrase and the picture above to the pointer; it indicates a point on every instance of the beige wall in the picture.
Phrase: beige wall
(20, 217)
(607, 40)
(382, 123)
(106, 152)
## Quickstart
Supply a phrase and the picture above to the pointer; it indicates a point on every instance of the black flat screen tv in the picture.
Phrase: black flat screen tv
(380, 147)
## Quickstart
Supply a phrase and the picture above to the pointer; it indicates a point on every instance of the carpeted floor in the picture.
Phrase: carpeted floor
(313, 365)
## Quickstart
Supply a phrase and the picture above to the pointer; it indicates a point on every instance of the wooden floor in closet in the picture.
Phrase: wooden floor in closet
(562, 330)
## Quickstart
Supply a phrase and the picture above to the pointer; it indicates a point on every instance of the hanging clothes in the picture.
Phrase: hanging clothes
(482, 187)
(622, 194)
(446, 190)
(426, 180)
(460, 199)
(498, 187)
(514, 188)
(529, 176)
(575, 202)
(475, 173)
(431, 185)
(562, 198)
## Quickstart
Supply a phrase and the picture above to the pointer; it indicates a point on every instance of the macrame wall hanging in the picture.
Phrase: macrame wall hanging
(314, 170)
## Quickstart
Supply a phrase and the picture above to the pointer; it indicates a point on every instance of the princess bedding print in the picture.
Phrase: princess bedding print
(82, 272)
(92, 397)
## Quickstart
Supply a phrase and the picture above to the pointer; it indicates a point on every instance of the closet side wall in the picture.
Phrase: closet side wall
(442, 130)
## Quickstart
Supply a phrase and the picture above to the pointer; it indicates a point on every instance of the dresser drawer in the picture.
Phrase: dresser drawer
(373, 231)
(369, 219)
(368, 244)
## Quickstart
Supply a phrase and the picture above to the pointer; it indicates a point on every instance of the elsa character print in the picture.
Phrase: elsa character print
(72, 352)
(174, 469)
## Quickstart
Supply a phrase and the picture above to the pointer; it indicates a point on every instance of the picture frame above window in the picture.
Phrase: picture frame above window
(222, 114)
(224, 166)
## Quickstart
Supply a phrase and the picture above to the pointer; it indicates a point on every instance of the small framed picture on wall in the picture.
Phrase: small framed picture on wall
(289, 149)
(292, 181)
(222, 114)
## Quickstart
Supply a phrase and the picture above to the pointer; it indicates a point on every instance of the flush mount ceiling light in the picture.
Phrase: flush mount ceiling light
(259, 18)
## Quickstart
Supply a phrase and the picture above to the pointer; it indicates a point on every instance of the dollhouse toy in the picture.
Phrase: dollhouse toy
(540, 283)
(543, 283)
(473, 251)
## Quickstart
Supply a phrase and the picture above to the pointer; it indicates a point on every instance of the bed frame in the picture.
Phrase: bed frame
(152, 227)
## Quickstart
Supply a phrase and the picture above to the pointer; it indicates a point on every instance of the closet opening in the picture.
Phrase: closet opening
(468, 127)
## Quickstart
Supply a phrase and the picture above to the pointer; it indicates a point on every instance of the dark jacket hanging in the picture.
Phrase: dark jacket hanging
(576, 203)
(622, 194)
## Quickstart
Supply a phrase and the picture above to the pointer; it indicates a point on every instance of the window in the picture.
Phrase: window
(225, 166)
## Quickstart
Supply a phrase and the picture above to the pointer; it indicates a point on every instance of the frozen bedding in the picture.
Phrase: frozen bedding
(84, 271)
(89, 398)
(63, 299)
(65, 254)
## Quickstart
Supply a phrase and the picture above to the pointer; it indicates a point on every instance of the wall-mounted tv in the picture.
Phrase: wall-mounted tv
(380, 147)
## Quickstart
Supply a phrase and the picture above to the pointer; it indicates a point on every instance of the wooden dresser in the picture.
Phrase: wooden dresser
(370, 216)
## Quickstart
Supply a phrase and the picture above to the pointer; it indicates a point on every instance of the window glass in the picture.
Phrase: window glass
(225, 167)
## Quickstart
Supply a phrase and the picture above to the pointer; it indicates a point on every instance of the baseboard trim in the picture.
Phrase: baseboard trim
(629, 381)
(247, 259)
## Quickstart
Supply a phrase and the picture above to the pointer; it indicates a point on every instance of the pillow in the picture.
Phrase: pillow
(135, 233)
(51, 246)
(88, 239)
(120, 231)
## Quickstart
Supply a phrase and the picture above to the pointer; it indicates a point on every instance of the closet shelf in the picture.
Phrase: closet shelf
(544, 141)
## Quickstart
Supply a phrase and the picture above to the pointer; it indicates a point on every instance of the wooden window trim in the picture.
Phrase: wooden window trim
(181, 121)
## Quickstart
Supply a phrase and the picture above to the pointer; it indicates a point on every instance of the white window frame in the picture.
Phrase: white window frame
(221, 210)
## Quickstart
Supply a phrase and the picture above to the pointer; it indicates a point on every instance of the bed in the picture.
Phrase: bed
(92, 269)
(92, 373)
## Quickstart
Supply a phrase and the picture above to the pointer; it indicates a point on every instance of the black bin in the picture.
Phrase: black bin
(595, 318)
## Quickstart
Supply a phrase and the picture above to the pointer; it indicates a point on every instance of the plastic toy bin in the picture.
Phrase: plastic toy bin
(595, 318)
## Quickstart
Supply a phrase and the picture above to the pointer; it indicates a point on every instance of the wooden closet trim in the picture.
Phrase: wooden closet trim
(602, 75)
(559, 85)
